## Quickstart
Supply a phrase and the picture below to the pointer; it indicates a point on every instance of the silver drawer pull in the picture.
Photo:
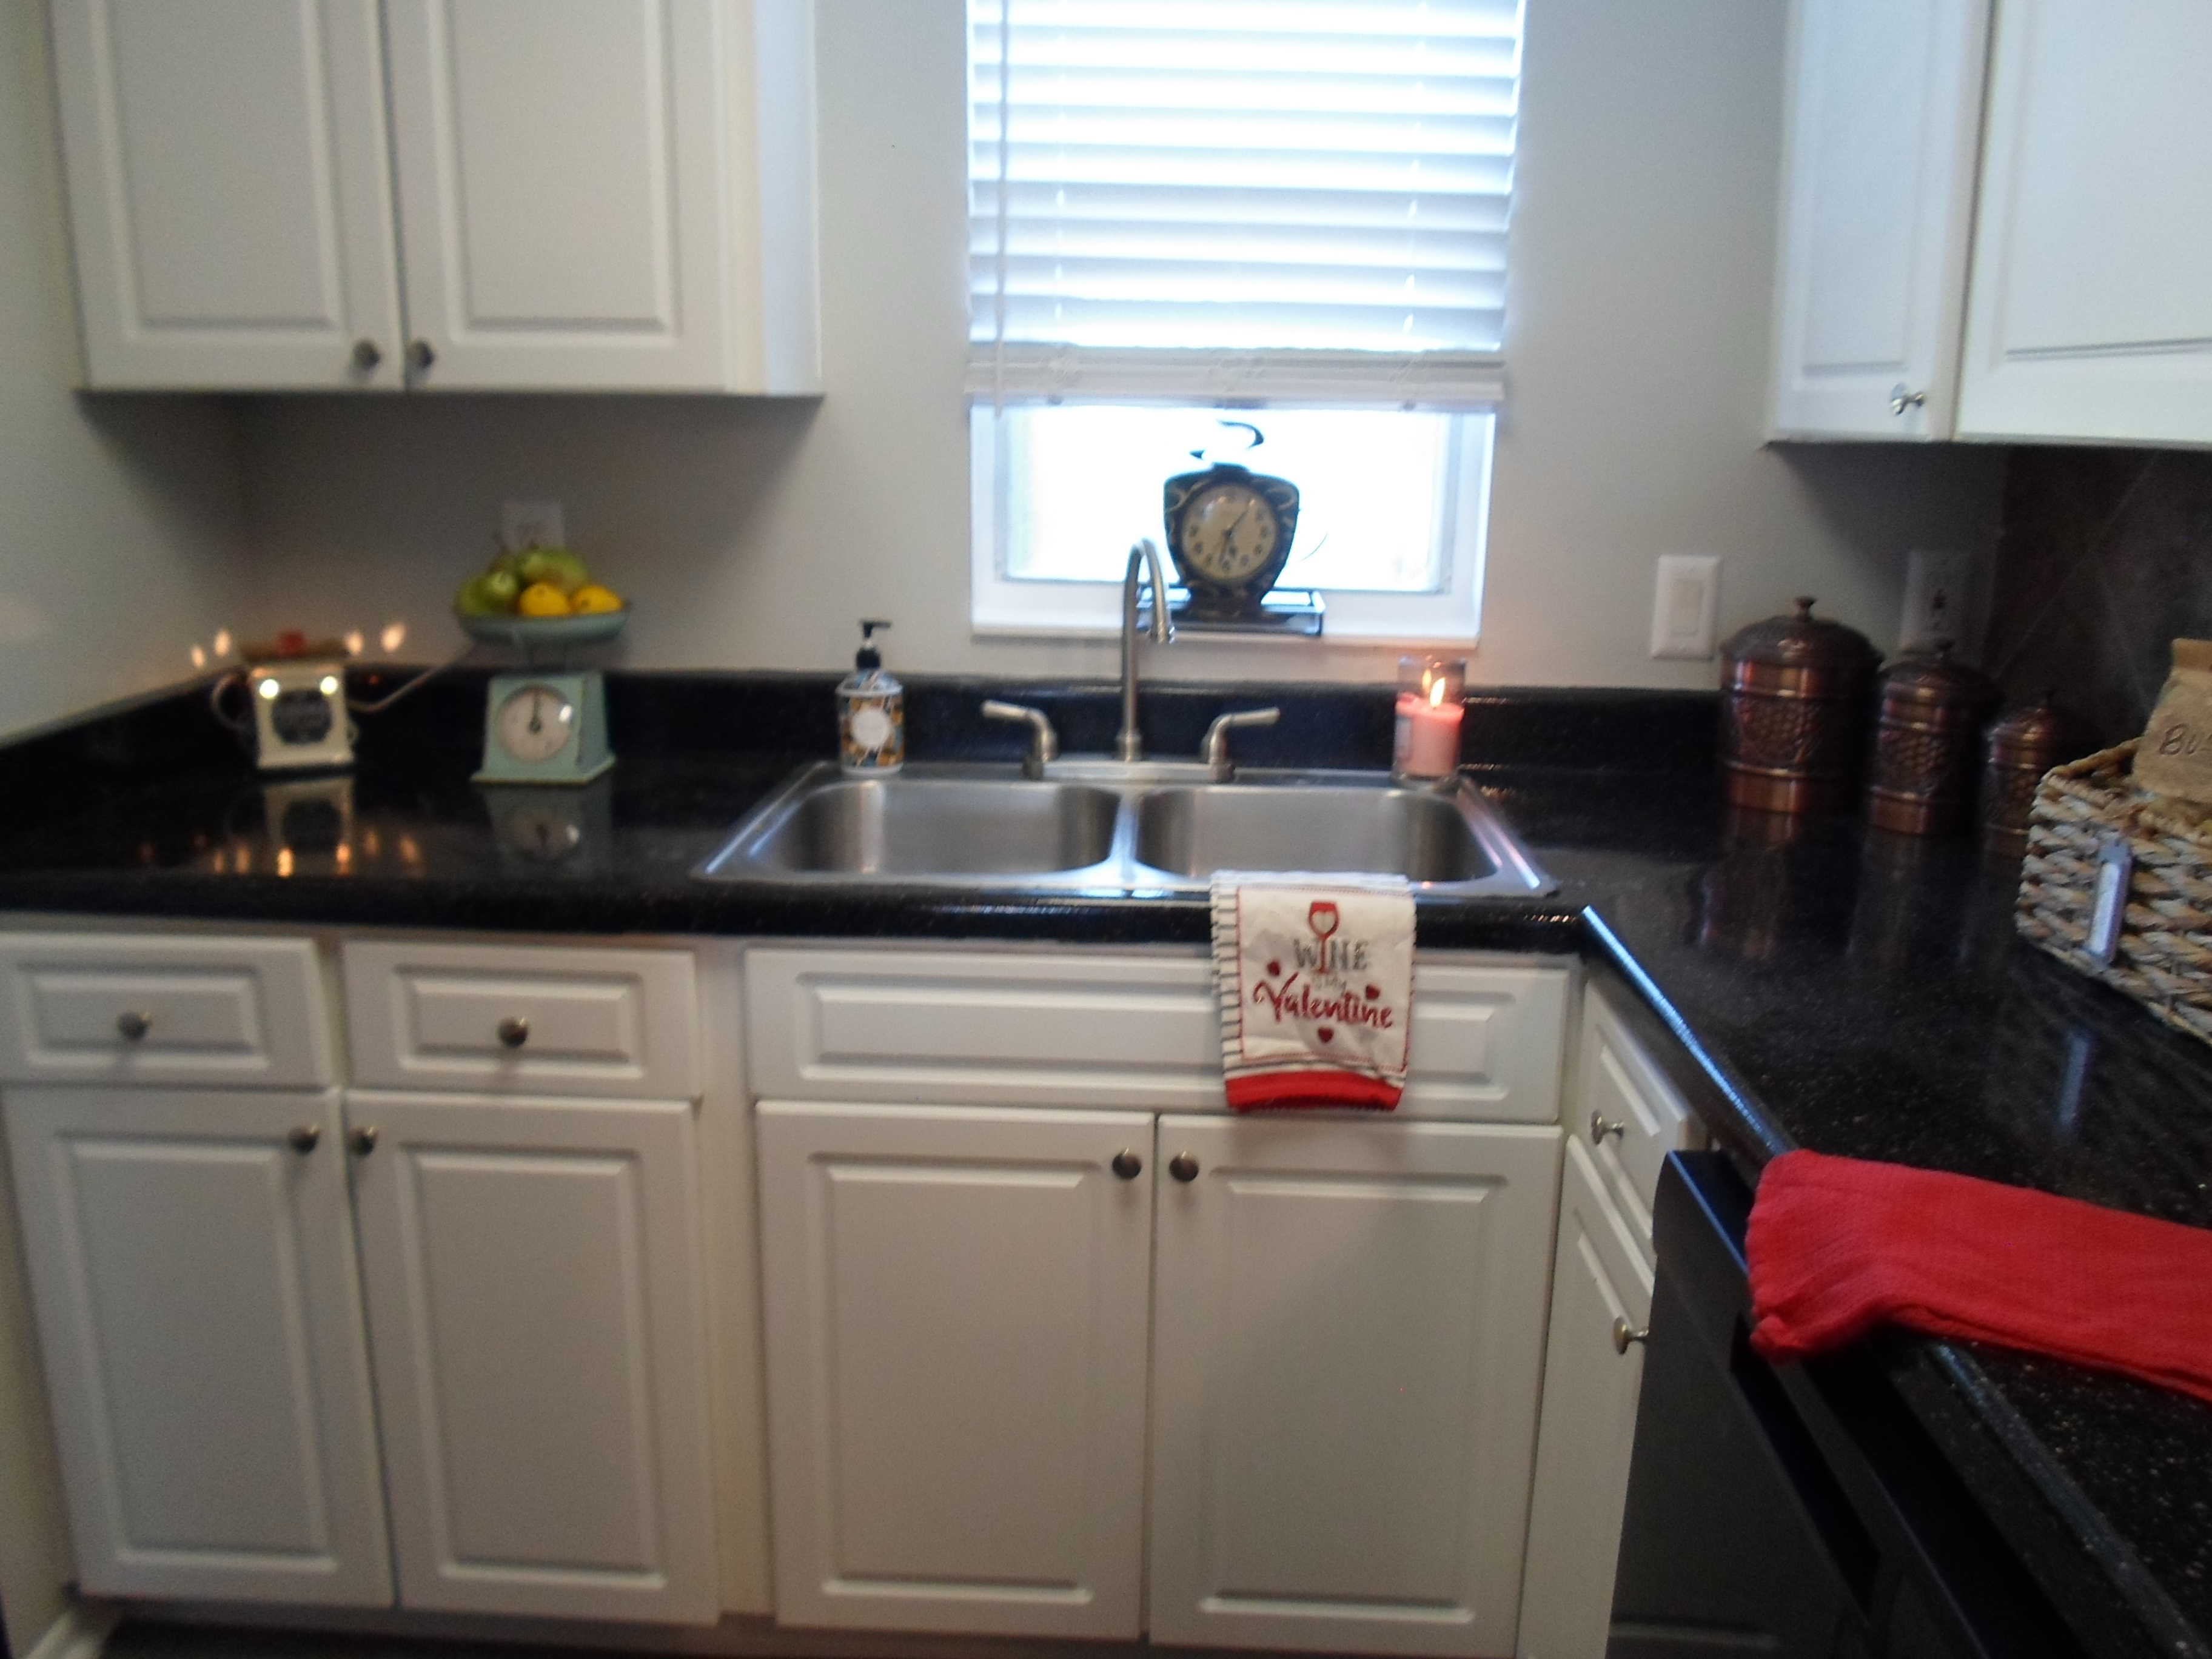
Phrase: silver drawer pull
(513, 1031)
(134, 1025)
(1624, 1334)
(1601, 1126)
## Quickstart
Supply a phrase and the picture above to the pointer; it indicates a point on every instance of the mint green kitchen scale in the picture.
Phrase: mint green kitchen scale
(545, 726)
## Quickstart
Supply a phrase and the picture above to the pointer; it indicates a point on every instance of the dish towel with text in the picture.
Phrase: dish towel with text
(1315, 976)
(1838, 1246)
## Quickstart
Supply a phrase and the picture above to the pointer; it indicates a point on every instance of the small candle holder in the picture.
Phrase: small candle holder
(1431, 702)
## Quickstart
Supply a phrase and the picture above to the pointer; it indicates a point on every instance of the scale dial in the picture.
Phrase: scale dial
(1230, 531)
(535, 723)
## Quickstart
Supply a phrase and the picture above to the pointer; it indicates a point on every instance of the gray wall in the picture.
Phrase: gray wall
(121, 544)
(752, 534)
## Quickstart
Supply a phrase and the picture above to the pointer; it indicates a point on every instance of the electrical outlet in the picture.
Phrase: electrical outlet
(531, 523)
(1938, 598)
(1687, 607)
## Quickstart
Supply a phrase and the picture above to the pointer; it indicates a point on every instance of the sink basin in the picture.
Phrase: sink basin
(1193, 832)
(1154, 827)
(920, 827)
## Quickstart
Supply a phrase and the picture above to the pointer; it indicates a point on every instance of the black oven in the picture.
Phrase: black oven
(1798, 1510)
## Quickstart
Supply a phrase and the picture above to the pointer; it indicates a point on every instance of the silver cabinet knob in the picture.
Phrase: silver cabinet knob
(1183, 1167)
(1624, 1334)
(306, 1138)
(367, 355)
(1901, 399)
(420, 357)
(133, 1026)
(513, 1031)
(1128, 1165)
(1602, 1126)
(362, 1141)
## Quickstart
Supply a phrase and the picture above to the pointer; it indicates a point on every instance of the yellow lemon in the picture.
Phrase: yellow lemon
(592, 599)
(543, 600)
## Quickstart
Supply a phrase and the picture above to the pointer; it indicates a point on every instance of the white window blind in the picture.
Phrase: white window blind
(1248, 200)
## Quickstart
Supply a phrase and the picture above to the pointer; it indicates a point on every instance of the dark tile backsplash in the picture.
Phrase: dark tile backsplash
(2104, 557)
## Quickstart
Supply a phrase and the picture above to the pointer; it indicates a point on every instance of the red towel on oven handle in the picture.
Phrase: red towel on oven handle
(1838, 1246)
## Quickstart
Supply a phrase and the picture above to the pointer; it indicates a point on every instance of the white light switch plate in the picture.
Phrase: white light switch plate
(531, 523)
(1686, 606)
(1939, 600)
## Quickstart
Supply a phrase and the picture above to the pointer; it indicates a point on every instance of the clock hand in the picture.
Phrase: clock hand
(1229, 534)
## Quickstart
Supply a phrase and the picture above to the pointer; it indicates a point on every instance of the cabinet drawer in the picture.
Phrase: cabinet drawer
(983, 1027)
(540, 1020)
(1627, 1114)
(118, 1007)
(1488, 1042)
(992, 1028)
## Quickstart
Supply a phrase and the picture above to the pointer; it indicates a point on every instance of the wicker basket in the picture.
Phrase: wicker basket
(2164, 957)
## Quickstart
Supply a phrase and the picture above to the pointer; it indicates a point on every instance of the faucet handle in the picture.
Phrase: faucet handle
(1214, 751)
(1044, 742)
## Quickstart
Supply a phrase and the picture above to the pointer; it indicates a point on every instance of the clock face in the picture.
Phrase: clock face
(536, 723)
(1228, 531)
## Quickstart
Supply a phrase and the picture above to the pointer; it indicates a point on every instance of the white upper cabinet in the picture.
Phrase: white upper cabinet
(2081, 174)
(2090, 316)
(1884, 120)
(230, 194)
(580, 195)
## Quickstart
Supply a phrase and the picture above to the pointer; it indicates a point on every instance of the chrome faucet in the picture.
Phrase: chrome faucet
(1144, 556)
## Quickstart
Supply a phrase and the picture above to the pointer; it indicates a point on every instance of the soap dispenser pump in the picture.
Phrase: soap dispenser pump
(870, 711)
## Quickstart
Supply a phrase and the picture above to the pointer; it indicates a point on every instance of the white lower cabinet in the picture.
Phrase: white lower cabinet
(283, 1325)
(1345, 1343)
(956, 1302)
(191, 1263)
(1347, 1351)
(1593, 1373)
(535, 1305)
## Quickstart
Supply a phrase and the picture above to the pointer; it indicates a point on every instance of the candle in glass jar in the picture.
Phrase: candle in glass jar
(1428, 732)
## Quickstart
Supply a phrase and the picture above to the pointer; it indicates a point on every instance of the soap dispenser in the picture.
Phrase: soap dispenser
(870, 711)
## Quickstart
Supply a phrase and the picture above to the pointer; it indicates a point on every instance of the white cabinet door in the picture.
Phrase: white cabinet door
(1878, 194)
(2090, 315)
(230, 193)
(956, 1304)
(1348, 1336)
(563, 190)
(534, 1299)
(191, 1263)
(1593, 1372)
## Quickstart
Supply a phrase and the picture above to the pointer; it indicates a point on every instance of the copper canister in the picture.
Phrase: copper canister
(2019, 750)
(1927, 742)
(1794, 709)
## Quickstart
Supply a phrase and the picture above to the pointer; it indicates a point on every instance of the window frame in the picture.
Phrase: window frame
(1004, 606)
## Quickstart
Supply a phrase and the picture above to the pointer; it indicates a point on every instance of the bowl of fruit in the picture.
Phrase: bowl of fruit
(538, 597)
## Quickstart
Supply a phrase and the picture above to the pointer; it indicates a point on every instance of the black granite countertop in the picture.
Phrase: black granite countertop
(1835, 988)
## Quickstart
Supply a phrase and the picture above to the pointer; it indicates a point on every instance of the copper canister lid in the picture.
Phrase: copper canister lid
(2035, 739)
(1801, 640)
(1928, 685)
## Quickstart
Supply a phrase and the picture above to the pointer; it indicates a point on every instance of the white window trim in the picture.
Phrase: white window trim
(1001, 607)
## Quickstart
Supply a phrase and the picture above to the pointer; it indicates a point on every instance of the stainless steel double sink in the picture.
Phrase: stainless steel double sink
(1107, 826)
